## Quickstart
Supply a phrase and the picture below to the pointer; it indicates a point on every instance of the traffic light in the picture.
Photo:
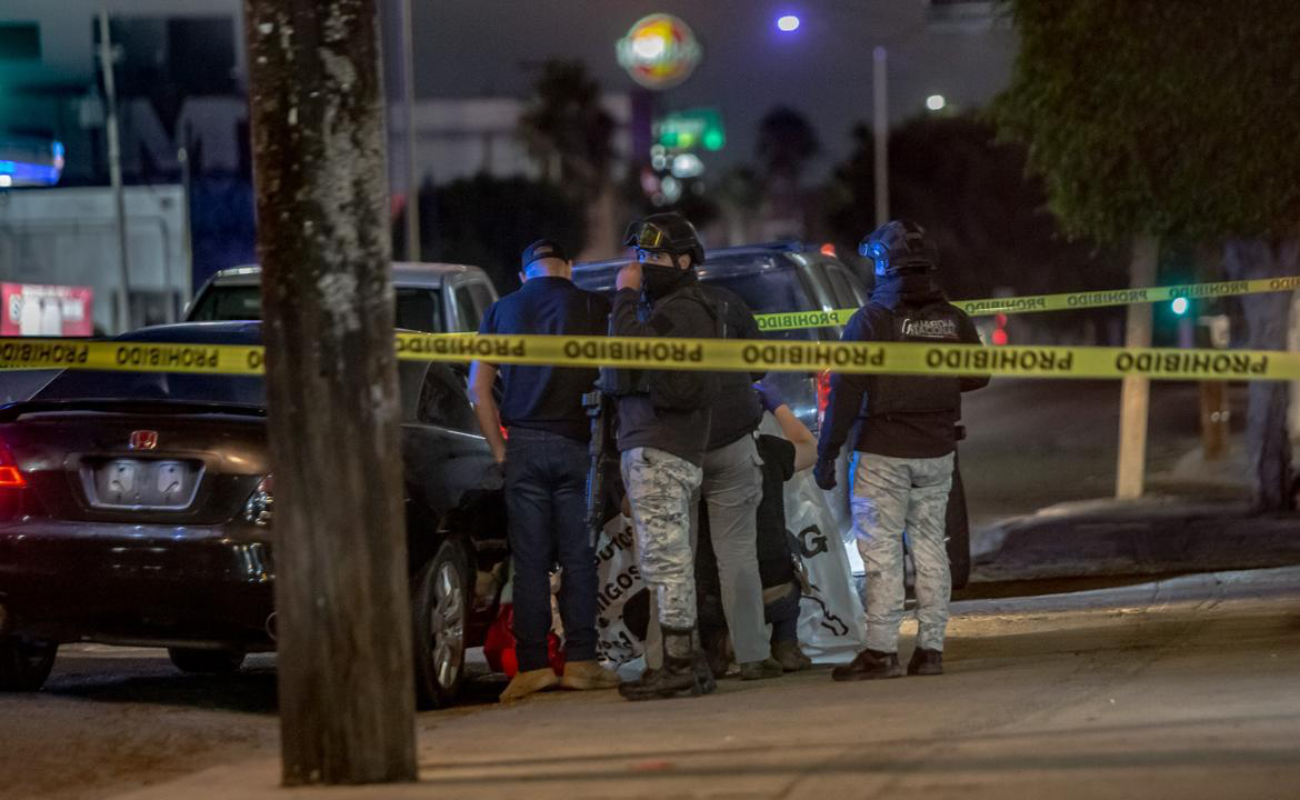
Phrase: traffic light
(1180, 306)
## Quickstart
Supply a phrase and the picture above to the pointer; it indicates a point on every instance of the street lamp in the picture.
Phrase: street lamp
(788, 23)
(935, 102)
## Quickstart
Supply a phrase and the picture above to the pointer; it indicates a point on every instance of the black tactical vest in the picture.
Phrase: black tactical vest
(890, 395)
(671, 389)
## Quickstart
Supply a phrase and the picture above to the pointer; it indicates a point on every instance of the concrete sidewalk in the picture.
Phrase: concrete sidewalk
(1151, 536)
(1181, 688)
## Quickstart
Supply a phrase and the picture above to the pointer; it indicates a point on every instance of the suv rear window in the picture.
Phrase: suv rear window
(418, 309)
(228, 304)
(767, 285)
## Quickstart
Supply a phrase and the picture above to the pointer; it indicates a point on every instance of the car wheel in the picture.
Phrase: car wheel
(206, 662)
(957, 529)
(24, 665)
(440, 613)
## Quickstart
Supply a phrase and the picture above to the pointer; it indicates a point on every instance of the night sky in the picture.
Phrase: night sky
(492, 47)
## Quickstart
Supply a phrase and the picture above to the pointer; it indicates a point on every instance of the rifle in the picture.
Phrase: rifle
(599, 406)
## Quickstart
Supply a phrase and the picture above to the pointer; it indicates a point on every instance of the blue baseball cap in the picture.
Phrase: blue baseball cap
(542, 248)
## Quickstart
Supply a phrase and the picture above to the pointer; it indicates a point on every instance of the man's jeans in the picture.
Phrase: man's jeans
(659, 488)
(732, 489)
(546, 481)
(893, 496)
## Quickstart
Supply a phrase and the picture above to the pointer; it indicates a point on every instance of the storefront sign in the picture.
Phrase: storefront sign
(31, 310)
(659, 52)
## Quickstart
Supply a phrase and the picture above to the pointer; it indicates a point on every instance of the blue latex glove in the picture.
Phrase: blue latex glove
(769, 395)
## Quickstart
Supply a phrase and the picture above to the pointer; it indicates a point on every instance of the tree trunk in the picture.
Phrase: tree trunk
(1130, 481)
(1293, 345)
(345, 672)
(1268, 318)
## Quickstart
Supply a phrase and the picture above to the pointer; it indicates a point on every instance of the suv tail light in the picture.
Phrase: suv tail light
(258, 508)
(823, 381)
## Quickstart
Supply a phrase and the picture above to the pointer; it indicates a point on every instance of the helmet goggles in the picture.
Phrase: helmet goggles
(648, 236)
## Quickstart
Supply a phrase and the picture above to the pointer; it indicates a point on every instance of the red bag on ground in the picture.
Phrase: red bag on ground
(499, 646)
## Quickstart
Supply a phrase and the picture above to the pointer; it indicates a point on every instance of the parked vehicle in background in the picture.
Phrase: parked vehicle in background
(790, 277)
(431, 298)
(137, 508)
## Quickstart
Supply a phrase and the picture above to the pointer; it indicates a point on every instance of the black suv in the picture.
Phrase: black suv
(789, 277)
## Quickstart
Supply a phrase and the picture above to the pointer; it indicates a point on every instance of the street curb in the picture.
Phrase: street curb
(1147, 537)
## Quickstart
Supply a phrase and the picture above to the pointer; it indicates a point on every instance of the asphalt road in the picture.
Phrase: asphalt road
(1182, 688)
(1034, 443)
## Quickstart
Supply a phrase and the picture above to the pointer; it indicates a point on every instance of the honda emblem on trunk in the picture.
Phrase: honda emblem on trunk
(144, 440)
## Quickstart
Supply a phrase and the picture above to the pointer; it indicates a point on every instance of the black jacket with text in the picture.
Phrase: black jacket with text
(903, 416)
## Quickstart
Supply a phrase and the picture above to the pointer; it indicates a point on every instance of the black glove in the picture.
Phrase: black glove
(824, 473)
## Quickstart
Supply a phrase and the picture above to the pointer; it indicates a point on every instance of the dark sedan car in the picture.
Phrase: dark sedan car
(137, 509)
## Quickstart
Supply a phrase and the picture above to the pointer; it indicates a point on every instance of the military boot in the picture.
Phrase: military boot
(925, 662)
(869, 665)
(704, 672)
(790, 656)
(678, 677)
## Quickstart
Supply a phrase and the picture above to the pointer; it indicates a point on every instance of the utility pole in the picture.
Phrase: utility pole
(115, 170)
(1135, 400)
(346, 681)
(412, 171)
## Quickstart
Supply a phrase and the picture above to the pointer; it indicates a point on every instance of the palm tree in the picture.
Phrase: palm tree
(786, 143)
(566, 129)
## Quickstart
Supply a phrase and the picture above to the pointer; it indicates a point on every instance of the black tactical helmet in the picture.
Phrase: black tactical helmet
(899, 246)
(666, 233)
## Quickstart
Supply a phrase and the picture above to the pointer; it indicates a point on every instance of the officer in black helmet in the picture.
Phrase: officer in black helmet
(663, 430)
(905, 451)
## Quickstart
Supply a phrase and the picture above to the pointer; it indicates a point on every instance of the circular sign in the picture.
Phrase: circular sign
(659, 52)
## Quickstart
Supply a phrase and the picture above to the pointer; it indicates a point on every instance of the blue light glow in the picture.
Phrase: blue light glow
(788, 23)
(1180, 305)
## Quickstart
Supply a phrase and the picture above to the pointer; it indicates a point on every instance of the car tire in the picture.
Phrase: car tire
(957, 530)
(206, 662)
(24, 664)
(440, 615)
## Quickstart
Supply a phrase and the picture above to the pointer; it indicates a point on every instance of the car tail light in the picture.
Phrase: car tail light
(12, 484)
(258, 508)
(823, 381)
(11, 478)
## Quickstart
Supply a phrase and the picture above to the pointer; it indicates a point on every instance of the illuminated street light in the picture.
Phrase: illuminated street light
(788, 23)
(935, 102)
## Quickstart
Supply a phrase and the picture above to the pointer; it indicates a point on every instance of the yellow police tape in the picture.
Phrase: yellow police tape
(1050, 302)
(697, 354)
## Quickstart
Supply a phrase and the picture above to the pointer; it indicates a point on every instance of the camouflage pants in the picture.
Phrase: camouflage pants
(893, 499)
(659, 488)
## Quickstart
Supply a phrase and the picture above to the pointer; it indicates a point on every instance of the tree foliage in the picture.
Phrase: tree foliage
(488, 221)
(786, 143)
(1168, 118)
(567, 130)
(970, 193)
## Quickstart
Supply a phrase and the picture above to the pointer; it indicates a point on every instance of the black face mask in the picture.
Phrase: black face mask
(661, 280)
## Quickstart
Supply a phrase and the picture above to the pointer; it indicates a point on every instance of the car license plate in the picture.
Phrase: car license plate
(149, 484)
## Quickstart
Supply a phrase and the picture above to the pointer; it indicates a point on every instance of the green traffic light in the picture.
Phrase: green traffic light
(1180, 305)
